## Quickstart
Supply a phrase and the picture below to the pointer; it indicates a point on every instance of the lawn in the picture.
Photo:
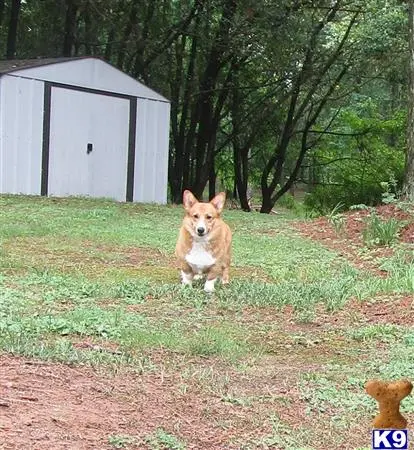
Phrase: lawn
(102, 348)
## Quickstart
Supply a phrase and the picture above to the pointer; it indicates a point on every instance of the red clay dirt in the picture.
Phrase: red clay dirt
(60, 407)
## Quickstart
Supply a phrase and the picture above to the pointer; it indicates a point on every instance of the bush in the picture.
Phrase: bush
(361, 164)
(324, 198)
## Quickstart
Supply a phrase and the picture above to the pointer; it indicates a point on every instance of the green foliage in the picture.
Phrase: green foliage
(162, 440)
(121, 441)
(390, 192)
(353, 168)
(336, 219)
(379, 231)
(378, 332)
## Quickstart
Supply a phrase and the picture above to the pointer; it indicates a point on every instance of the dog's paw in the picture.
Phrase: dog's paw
(209, 286)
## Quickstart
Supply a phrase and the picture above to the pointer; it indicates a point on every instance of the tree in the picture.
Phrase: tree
(408, 188)
(194, 131)
(70, 27)
(318, 75)
(13, 25)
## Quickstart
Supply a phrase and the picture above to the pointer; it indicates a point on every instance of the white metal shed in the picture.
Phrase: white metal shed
(81, 127)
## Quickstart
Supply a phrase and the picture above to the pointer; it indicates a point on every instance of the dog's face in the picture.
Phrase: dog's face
(200, 217)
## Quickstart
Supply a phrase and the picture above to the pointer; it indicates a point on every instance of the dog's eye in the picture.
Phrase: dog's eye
(195, 216)
(208, 217)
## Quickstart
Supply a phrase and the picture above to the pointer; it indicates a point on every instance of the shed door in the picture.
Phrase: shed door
(88, 147)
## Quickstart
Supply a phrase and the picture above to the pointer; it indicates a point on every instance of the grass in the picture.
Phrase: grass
(162, 440)
(121, 441)
(76, 270)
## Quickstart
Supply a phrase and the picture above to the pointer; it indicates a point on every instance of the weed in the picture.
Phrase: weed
(390, 190)
(215, 341)
(336, 219)
(162, 440)
(380, 332)
(121, 441)
(380, 232)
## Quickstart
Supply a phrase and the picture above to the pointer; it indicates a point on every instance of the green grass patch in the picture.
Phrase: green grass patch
(162, 440)
(338, 390)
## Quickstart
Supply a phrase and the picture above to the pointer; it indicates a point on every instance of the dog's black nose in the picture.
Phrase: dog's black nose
(200, 231)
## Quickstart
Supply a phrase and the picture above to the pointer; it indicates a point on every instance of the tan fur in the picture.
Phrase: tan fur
(215, 244)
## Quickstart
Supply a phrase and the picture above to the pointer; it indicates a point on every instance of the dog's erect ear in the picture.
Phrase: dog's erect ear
(219, 201)
(188, 200)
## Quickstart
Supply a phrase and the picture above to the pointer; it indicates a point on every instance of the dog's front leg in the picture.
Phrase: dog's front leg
(209, 285)
(187, 278)
(187, 275)
(225, 276)
(211, 279)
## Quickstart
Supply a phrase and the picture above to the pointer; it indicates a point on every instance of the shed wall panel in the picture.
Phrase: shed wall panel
(140, 150)
(151, 158)
(162, 152)
(21, 103)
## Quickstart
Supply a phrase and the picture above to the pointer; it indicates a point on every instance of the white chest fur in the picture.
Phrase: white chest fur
(199, 258)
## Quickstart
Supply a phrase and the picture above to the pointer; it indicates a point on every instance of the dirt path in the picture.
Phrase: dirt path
(54, 406)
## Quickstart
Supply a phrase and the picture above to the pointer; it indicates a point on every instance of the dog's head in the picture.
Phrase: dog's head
(201, 216)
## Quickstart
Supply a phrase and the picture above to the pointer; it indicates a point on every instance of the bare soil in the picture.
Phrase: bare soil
(57, 406)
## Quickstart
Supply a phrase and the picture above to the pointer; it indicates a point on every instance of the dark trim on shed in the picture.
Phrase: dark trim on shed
(46, 138)
(46, 133)
(131, 149)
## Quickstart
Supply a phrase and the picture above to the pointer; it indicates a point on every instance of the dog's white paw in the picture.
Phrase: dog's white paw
(209, 286)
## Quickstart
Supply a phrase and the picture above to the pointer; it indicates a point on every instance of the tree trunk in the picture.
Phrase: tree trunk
(176, 167)
(70, 27)
(241, 175)
(2, 2)
(12, 33)
(212, 181)
(108, 47)
(267, 203)
(127, 35)
(408, 188)
(88, 30)
(234, 194)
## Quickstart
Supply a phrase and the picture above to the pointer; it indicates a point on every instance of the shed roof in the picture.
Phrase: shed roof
(11, 65)
(37, 68)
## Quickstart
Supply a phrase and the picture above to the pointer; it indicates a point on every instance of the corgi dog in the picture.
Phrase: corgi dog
(204, 241)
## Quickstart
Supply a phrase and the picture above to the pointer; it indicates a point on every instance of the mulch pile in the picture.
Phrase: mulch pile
(348, 241)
